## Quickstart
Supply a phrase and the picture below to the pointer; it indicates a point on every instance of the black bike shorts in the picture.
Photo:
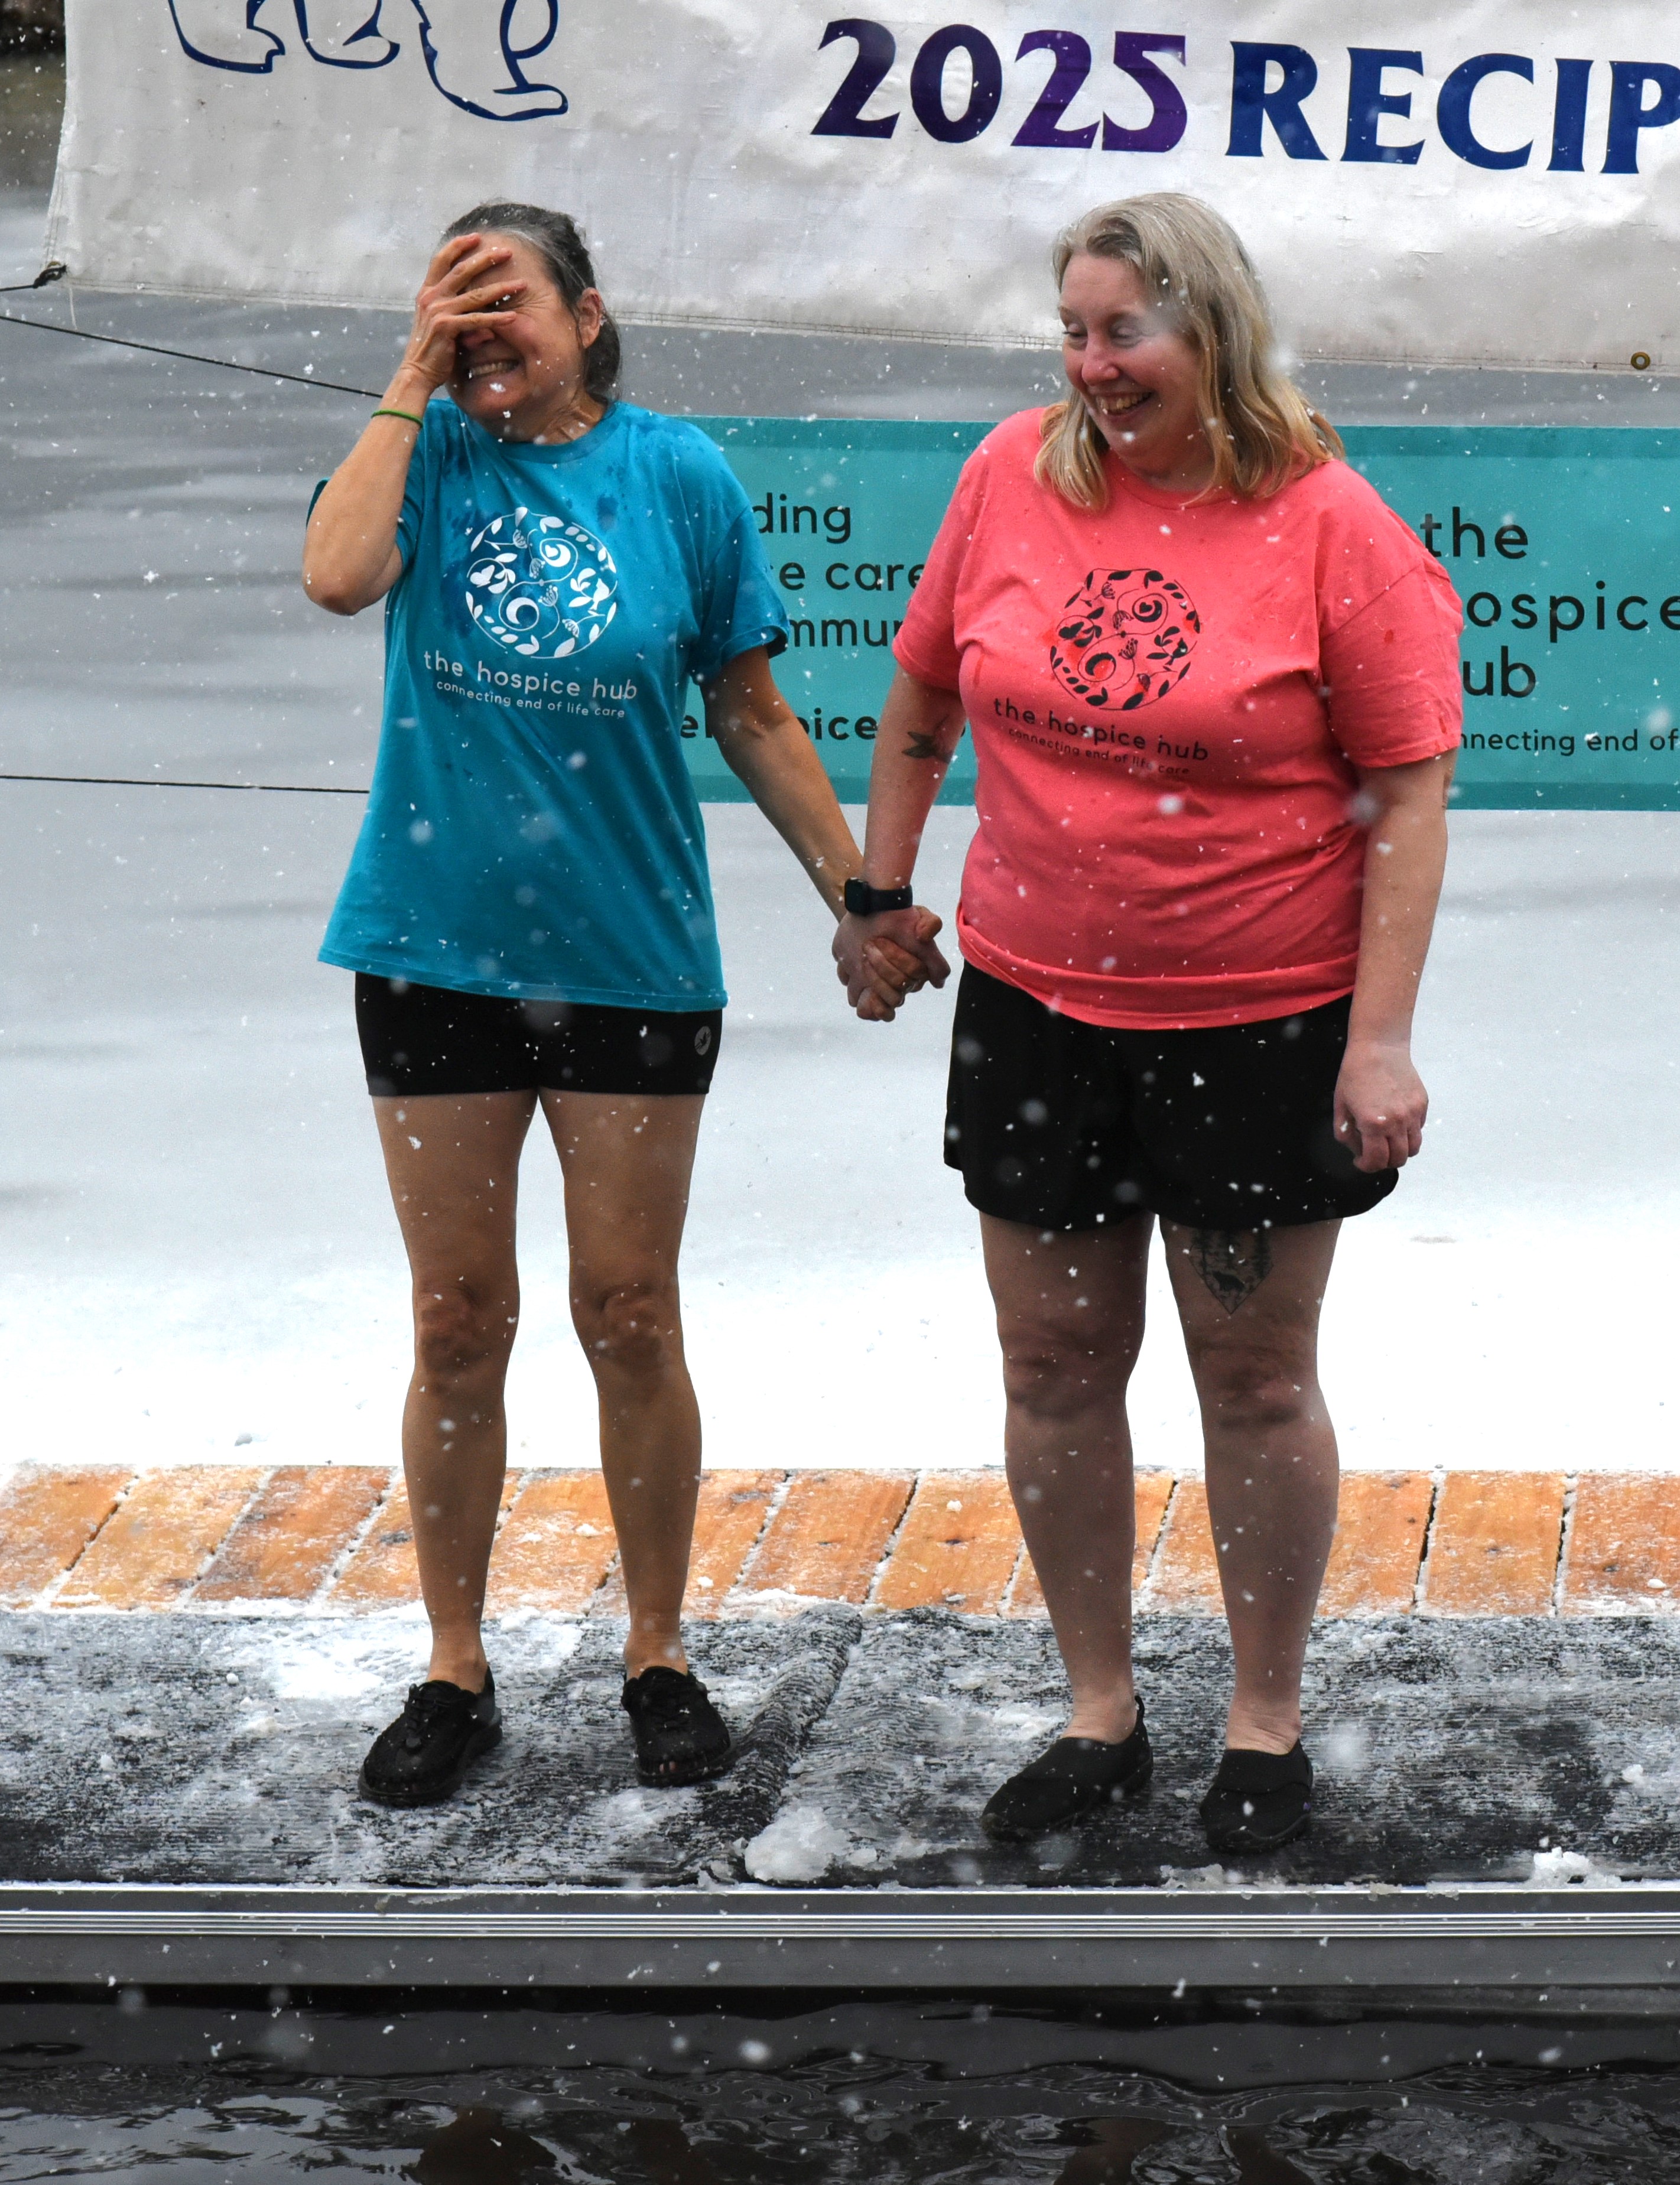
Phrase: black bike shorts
(1071, 1125)
(416, 1040)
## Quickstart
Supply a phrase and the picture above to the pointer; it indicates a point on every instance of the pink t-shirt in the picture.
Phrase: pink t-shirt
(1168, 701)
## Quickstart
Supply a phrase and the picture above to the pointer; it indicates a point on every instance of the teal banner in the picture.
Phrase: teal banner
(1563, 545)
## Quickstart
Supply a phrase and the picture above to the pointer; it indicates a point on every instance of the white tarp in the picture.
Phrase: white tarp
(1495, 180)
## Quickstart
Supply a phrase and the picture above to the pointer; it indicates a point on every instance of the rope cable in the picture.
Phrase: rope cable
(56, 272)
(44, 279)
(189, 356)
(151, 781)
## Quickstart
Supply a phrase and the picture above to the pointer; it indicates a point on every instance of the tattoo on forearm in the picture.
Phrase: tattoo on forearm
(922, 746)
(1233, 1263)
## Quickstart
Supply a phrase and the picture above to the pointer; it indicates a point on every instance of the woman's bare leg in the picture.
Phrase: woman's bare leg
(453, 1163)
(627, 1161)
(1070, 1320)
(1249, 1301)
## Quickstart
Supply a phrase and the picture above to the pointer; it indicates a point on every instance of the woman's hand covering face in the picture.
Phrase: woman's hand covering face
(467, 283)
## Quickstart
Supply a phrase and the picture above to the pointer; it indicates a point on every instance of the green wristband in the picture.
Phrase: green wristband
(407, 414)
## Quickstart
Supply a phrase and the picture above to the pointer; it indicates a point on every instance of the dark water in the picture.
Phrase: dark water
(937, 2094)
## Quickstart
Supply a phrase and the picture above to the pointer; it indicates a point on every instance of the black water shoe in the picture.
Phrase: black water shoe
(1075, 1776)
(420, 1760)
(1258, 1801)
(680, 1735)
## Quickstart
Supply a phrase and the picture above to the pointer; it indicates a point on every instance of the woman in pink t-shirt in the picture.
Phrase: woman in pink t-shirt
(1213, 685)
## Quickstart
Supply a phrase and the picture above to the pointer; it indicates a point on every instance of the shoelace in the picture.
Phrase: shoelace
(425, 1703)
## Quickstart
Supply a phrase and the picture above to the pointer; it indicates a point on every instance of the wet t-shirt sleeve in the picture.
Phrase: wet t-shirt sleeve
(735, 603)
(1391, 669)
(739, 606)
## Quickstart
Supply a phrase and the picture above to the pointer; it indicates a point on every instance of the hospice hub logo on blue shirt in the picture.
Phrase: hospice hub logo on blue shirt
(540, 586)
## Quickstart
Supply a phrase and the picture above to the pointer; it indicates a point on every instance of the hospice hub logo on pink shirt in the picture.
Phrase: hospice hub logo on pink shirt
(1124, 638)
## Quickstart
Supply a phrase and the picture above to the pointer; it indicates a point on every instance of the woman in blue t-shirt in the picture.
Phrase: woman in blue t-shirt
(528, 911)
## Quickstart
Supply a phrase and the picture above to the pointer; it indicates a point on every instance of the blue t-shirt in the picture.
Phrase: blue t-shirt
(532, 829)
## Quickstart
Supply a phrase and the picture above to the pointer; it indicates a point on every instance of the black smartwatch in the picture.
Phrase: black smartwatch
(864, 901)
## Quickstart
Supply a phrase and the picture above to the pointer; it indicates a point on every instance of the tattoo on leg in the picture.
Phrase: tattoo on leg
(1233, 1263)
(921, 746)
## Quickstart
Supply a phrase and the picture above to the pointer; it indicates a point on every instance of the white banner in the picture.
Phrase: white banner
(1494, 182)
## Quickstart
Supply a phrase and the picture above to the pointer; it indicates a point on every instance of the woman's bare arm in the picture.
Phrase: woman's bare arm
(764, 745)
(920, 728)
(1381, 1102)
(350, 556)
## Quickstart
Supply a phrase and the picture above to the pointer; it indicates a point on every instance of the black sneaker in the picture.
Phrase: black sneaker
(1077, 1774)
(680, 1735)
(1258, 1801)
(420, 1760)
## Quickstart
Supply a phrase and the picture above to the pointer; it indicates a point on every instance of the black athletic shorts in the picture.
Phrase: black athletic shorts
(416, 1040)
(1071, 1125)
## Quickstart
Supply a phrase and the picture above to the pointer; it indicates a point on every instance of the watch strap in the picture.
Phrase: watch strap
(864, 901)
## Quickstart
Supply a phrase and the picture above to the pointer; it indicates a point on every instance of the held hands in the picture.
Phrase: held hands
(463, 289)
(880, 960)
(1380, 1104)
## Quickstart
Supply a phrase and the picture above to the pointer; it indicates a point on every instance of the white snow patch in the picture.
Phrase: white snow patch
(800, 1844)
(1201, 1877)
(338, 1664)
(629, 1813)
(562, 1634)
(1554, 1870)
(1035, 1721)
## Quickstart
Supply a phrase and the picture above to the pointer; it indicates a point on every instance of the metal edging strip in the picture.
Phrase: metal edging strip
(1485, 1937)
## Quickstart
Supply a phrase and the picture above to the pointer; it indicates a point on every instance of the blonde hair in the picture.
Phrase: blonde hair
(1259, 426)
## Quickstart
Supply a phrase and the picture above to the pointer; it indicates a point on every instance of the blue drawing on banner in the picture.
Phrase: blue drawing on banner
(484, 75)
(540, 586)
(475, 50)
(224, 34)
(330, 28)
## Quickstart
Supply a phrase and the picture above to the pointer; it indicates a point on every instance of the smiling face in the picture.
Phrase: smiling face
(523, 378)
(1137, 376)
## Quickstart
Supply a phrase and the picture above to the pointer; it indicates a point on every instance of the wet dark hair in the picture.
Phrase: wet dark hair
(557, 240)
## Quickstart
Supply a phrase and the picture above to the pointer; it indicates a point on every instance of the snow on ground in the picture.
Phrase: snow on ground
(198, 1261)
(248, 1767)
(867, 1746)
(800, 1844)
